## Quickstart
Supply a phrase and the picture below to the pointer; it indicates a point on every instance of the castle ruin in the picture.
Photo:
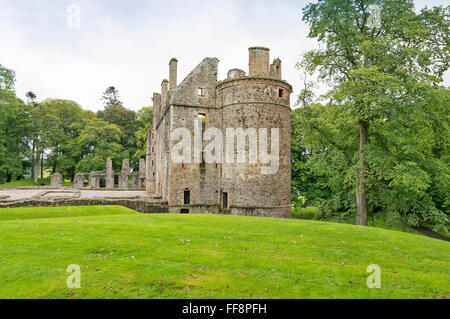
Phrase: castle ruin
(257, 100)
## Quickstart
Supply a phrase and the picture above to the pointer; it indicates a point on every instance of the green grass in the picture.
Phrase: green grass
(30, 182)
(304, 212)
(124, 254)
(380, 220)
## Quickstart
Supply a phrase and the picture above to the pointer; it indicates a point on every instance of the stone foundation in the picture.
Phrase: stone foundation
(142, 206)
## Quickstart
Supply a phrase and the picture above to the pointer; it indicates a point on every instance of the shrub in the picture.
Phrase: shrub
(304, 212)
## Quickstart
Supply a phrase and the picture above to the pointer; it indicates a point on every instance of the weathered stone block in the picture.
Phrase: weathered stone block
(142, 168)
(56, 180)
(78, 181)
(94, 181)
(136, 181)
(123, 178)
(109, 180)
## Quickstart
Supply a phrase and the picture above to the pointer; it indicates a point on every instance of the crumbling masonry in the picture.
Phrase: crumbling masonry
(260, 99)
(108, 178)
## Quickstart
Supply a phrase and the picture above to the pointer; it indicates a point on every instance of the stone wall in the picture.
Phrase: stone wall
(56, 180)
(109, 179)
(143, 206)
(106, 179)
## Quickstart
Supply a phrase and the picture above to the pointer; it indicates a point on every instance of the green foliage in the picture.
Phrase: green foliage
(308, 187)
(304, 212)
(144, 123)
(7, 80)
(68, 138)
(111, 96)
(385, 83)
(58, 123)
(31, 96)
(98, 140)
(125, 120)
(14, 128)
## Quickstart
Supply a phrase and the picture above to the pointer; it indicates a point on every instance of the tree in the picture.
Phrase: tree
(306, 186)
(59, 122)
(111, 96)
(125, 120)
(7, 81)
(37, 146)
(144, 122)
(374, 72)
(98, 141)
(14, 128)
(31, 96)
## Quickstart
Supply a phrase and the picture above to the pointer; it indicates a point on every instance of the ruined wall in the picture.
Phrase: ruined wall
(161, 128)
(193, 97)
(202, 182)
(150, 163)
(162, 156)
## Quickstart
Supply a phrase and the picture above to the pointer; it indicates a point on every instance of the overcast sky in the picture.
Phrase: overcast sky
(128, 44)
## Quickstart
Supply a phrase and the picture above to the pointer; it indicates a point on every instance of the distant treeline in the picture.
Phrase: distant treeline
(59, 136)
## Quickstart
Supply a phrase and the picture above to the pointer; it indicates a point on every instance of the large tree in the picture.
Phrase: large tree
(111, 97)
(380, 73)
(98, 140)
(125, 119)
(14, 128)
(59, 122)
(144, 122)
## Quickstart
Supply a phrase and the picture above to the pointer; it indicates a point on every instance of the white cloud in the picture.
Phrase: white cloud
(129, 45)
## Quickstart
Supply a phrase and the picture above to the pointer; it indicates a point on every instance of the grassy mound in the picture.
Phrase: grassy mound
(124, 254)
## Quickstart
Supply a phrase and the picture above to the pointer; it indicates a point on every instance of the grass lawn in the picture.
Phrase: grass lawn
(30, 182)
(380, 220)
(124, 254)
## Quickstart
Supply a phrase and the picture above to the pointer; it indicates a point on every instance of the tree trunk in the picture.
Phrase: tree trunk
(54, 167)
(33, 160)
(36, 172)
(361, 204)
(42, 165)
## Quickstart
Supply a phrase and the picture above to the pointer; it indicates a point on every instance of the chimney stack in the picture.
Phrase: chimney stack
(173, 73)
(258, 61)
(164, 91)
(156, 108)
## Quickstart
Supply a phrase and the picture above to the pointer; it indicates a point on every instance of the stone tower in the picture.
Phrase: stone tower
(240, 105)
(260, 100)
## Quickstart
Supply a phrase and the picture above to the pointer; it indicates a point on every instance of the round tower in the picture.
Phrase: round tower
(260, 100)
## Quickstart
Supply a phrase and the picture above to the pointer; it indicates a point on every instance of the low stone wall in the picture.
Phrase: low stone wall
(277, 212)
(71, 188)
(195, 209)
(140, 205)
